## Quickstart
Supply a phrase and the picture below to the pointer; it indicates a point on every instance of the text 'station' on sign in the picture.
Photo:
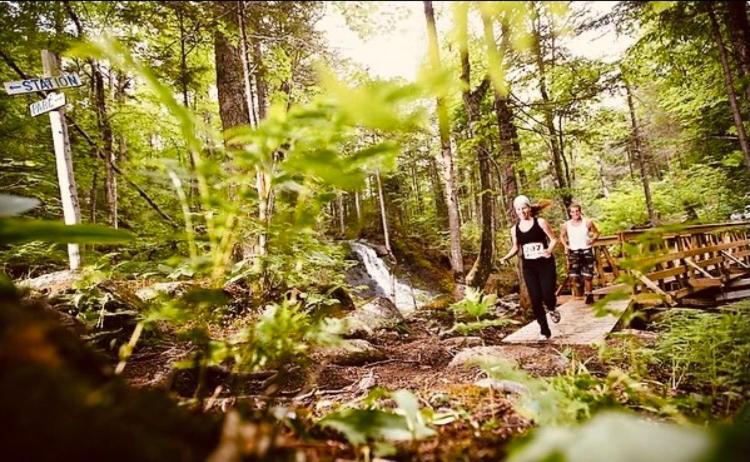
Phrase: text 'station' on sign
(51, 102)
(44, 84)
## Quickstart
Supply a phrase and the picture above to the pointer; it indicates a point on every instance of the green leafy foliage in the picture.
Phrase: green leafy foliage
(708, 352)
(362, 426)
(283, 335)
(13, 230)
(616, 437)
(474, 304)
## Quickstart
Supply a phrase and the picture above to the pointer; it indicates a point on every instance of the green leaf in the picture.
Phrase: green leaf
(361, 425)
(409, 407)
(16, 230)
(615, 437)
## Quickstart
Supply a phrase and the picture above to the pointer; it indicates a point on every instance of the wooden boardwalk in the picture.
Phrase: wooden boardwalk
(578, 325)
(695, 265)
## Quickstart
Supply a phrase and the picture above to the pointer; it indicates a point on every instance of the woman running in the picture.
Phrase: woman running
(536, 241)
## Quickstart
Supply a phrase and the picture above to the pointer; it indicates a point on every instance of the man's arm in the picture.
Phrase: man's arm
(593, 232)
(550, 234)
(564, 236)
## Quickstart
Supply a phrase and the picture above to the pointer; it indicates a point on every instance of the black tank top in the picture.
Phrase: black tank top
(535, 234)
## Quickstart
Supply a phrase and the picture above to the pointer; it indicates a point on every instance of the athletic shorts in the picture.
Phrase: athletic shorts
(581, 263)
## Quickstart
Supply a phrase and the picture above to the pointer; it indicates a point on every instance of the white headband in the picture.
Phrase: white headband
(520, 201)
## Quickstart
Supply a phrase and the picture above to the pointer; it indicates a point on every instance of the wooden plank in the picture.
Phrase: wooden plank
(709, 261)
(698, 302)
(734, 295)
(649, 261)
(578, 325)
(648, 298)
(681, 293)
(732, 258)
(610, 289)
(704, 283)
(739, 283)
(651, 285)
(698, 268)
(663, 274)
(611, 261)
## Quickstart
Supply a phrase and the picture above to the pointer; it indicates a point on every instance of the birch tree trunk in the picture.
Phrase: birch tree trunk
(482, 267)
(638, 151)
(384, 217)
(446, 156)
(548, 113)
(729, 84)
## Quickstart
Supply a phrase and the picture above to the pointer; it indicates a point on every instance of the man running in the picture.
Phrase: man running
(578, 235)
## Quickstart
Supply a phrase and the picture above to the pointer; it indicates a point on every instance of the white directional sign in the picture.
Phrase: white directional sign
(44, 84)
(51, 102)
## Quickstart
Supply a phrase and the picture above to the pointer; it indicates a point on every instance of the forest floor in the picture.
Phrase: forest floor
(421, 354)
(417, 356)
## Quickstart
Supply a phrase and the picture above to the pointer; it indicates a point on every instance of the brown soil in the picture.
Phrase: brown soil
(417, 360)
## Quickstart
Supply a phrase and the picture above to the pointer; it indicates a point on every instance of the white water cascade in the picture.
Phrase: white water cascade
(405, 297)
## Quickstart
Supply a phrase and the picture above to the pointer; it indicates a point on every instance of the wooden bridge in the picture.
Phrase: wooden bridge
(697, 265)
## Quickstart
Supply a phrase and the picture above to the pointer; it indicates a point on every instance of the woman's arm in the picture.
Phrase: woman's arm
(513, 249)
(550, 234)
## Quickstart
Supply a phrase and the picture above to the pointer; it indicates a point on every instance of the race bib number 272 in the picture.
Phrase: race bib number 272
(533, 250)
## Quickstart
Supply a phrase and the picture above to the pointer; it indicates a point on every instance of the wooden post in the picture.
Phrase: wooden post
(64, 162)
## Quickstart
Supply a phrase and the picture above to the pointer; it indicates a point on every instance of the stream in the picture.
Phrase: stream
(384, 284)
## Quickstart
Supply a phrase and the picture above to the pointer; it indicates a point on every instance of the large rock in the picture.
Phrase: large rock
(52, 284)
(462, 342)
(503, 386)
(645, 336)
(380, 313)
(354, 352)
(468, 357)
(170, 289)
(532, 359)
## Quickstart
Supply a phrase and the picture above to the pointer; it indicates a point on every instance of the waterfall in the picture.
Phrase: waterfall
(405, 297)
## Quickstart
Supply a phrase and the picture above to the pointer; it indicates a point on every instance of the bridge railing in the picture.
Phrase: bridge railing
(676, 261)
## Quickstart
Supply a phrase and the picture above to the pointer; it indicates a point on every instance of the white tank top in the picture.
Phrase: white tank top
(578, 235)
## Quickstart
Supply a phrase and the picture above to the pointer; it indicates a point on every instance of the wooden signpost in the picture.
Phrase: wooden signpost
(20, 87)
(53, 103)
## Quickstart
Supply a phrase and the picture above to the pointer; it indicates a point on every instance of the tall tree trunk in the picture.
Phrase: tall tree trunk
(105, 130)
(548, 114)
(183, 59)
(342, 218)
(638, 151)
(233, 109)
(92, 196)
(192, 189)
(523, 181)
(441, 209)
(415, 184)
(446, 156)
(260, 81)
(729, 83)
(739, 31)
(507, 157)
(383, 215)
(357, 208)
(482, 267)
(605, 189)
(262, 177)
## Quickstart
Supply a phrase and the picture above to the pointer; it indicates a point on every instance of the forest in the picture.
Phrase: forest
(286, 230)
